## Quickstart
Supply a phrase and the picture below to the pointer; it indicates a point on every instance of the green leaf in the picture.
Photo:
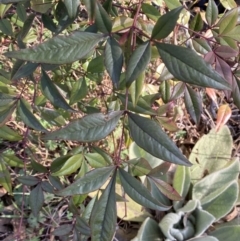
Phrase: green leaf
(187, 66)
(24, 70)
(6, 133)
(203, 221)
(138, 192)
(6, 113)
(51, 92)
(226, 233)
(6, 99)
(166, 24)
(95, 160)
(5, 178)
(36, 200)
(52, 116)
(38, 167)
(211, 153)
(28, 118)
(196, 23)
(228, 22)
(219, 180)
(164, 90)
(138, 62)
(102, 19)
(139, 166)
(167, 189)
(21, 12)
(96, 65)
(150, 11)
(60, 49)
(41, 6)
(211, 12)
(217, 207)
(27, 26)
(201, 46)
(171, 4)
(142, 106)
(193, 103)
(104, 215)
(71, 165)
(4, 8)
(90, 128)
(91, 8)
(72, 7)
(12, 160)
(28, 180)
(6, 27)
(79, 91)
(136, 88)
(92, 181)
(64, 229)
(149, 136)
(149, 231)
(229, 4)
(113, 60)
(234, 33)
(181, 180)
(204, 238)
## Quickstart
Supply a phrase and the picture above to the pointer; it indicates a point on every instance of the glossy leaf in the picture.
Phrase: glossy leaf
(79, 91)
(229, 4)
(166, 24)
(6, 27)
(113, 60)
(167, 190)
(139, 166)
(5, 178)
(138, 192)
(38, 167)
(196, 24)
(187, 66)
(36, 200)
(70, 166)
(51, 92)
(193, 103)
(28, 118)
(201, 46)
(6, 99)
(142, 106)
(91, 8)
(138, 62)
(149, 136)
(27, 26)
(168, 123)
(102, 19)
(6, 113)
(104, 215)
(164, 90)
(136, 88)
(72, 7)
(28, 180)
(90, 128)
(211, 12)
(60, 49)
(24, 71)
(92, 181)
(223, 115)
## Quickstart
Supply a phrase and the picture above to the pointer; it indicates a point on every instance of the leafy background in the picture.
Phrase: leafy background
(119, 118)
